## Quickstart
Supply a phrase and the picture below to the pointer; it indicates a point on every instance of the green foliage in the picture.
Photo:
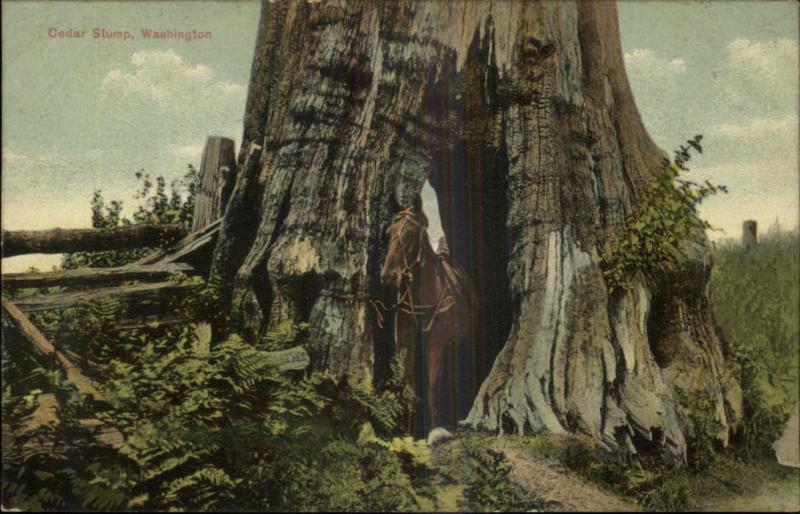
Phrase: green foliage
(211, 428)
(357, 478)
(388, 406)
(490, 487)
(651, 240)
(647, 480)
(481, 473)
(755, 296)
(160, 206)
(177, 408)
(652, 483)
(764, 420)
(702, 431)
(283, 336)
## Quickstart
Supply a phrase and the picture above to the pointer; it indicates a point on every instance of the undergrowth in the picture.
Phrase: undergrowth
(755, 296)
(191, 424)
(650, 482)
(220, 427)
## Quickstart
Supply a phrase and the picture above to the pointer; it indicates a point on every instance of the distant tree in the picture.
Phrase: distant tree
(159, 206)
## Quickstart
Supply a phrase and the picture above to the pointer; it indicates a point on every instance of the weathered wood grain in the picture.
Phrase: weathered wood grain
(521, 115)
(95, 276)
(216, 180)
(148, 291)
(45, 348)
(185, 247)
(292, 359)
(59, 333)
(58, 240)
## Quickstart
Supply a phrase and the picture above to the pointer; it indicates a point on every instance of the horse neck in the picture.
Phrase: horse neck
(426, 280)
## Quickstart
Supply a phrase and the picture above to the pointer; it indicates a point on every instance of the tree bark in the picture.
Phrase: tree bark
(521, 116)
(20, 242)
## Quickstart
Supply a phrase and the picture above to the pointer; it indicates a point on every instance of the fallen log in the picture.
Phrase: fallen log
(152, 291)
(45, 348)
(95, 276)
(20, 242)
(40, 432)
(292, 359)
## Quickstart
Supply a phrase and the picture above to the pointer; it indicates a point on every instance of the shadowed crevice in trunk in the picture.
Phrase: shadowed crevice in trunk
(469, 172)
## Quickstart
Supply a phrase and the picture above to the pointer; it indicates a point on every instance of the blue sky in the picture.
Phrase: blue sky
(84, 114)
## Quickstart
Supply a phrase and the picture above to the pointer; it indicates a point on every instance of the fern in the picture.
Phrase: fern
(391, 403)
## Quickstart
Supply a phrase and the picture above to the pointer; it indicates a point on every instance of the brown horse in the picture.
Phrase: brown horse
(432, 321)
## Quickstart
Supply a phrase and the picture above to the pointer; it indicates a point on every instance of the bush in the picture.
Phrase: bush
(702, 432)
(667, 216)
(489, 486)
(481, 475)
(764, 420)
(645, 479)
(160, 207)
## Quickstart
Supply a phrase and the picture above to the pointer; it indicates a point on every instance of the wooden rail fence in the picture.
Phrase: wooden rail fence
(146, 279)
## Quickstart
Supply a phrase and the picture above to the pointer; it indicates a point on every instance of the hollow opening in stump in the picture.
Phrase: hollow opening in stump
(469, 172)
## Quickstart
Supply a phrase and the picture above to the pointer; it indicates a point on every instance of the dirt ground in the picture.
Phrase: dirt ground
(563, 492)
(560, 491)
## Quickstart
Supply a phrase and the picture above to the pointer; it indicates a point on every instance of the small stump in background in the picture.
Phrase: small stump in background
(749, 234)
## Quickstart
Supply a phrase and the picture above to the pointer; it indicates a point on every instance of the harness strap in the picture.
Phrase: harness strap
(376, 304)
(406, 303)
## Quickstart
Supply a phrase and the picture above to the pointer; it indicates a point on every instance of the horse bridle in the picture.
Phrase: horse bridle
(406, 301)
(405, 271)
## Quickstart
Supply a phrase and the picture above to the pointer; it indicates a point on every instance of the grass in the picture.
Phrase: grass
(728, 484)
(755, 297)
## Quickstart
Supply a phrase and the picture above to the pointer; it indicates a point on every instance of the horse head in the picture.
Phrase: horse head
(407, 234)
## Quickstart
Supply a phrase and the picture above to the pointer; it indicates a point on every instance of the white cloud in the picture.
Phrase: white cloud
(784, 127)
(760, 77)
(168, 105)
(644, 62)
(12, 158)
(235, 90)
(776, 59)
(188, 153)
(164, 77)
